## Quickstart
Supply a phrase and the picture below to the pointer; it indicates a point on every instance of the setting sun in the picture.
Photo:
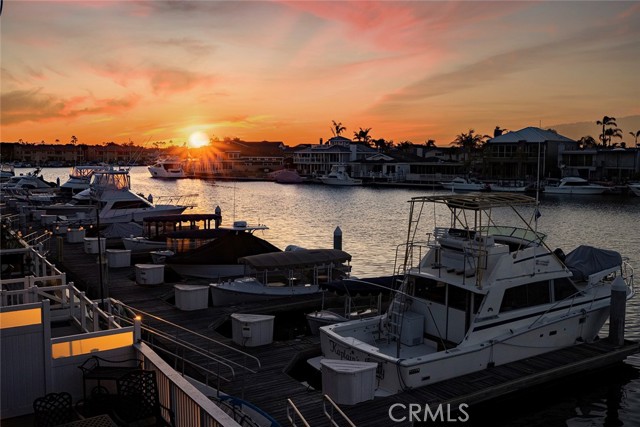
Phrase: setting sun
(198, 139)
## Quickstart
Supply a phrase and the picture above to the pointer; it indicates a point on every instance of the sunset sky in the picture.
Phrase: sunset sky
(283, 70)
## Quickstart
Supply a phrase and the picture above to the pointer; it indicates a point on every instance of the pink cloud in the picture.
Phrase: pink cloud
(34, 105)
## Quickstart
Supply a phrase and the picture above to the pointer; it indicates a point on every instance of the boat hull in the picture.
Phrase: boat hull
(433, 366)
(249, 290)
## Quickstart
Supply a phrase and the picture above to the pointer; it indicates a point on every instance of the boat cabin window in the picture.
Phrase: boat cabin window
(523, 296)
(430, 289)
(130, 204)
(462, 233)
(563, 288)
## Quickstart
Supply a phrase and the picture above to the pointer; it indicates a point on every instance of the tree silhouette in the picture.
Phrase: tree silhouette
(74, 140)
(363, 136)
(430, 143)
(337, 128)
(587, 142)
(635, 136)
(607, 122)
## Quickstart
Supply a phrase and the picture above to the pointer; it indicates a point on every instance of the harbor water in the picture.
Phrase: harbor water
(373, 222)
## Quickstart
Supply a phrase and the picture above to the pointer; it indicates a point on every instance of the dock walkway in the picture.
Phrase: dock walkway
(271, 385)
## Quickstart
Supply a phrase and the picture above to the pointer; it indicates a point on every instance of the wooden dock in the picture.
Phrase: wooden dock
(271, 385)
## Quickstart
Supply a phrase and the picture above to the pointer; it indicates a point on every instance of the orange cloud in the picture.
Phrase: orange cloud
(34, 105)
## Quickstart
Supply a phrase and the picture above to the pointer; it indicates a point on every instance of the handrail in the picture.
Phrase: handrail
(296, 412)
(235, 350)
(334, 407)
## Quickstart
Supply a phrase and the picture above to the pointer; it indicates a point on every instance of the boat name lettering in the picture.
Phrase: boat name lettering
(342, 352)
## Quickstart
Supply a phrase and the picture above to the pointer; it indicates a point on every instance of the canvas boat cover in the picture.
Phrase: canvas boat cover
(225, 250)
(299, 258)
(584, 261)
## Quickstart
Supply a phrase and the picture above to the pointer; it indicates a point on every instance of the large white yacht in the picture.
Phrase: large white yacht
(575, 185)
(478, 293)
(110, 194)
(168, 168)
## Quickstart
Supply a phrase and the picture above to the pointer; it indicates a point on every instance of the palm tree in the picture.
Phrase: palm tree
(74, 140)
(363, 136)
(469, 141)
(635, 136)
(606, 121)
(612, 133)
(337, 128)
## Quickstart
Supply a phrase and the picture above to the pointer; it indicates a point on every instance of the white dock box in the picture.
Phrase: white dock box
(348, 382)
(117, 258)
(149, 274)
(91, 245)
(252, 330)
(412, 328)
(189, 297)
(75, 235)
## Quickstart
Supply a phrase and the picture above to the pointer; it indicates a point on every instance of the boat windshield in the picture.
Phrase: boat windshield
(111, 181)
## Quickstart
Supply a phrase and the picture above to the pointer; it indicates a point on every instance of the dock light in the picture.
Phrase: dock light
(68, 229)
(138, 318)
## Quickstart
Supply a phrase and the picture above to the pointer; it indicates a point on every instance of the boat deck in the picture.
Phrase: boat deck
(271, 385)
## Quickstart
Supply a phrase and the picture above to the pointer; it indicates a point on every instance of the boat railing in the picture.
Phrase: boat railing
(293, 415)
(331, 410)
(188, 200)
(159, 339)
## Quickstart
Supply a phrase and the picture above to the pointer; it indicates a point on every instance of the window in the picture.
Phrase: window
(563, 288)
(430, 290)
(523, 296)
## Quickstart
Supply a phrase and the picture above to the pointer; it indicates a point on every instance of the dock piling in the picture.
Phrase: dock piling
(337, 239)
(617, 314)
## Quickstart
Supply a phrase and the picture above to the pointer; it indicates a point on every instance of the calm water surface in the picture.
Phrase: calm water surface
(374, 222)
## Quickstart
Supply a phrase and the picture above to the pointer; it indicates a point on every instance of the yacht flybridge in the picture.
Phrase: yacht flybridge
(478, 293)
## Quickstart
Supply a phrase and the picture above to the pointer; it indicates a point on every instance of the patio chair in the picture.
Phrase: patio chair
(139, 402)
(53, 409)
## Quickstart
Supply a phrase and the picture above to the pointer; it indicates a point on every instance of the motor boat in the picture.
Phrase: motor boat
(110, 194)
(286, 176)
(339, 176)
(80, 178)
(512, 187)
(168, 168)
(6, 172)
(465, 184)
(32, 181)
(218, 258)
(482, 295)
(575, 185)
(178, 233)
(352, 288)
(280, 275)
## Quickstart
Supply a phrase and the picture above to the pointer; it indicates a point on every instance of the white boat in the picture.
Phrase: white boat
(465, 184)
(482, 295)
(80, 178)
(575, 185)
(168, 168)
(635, 188)
(110, 194)
(282, 274)
(339, 176)
(32, 181)
(6, 172)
